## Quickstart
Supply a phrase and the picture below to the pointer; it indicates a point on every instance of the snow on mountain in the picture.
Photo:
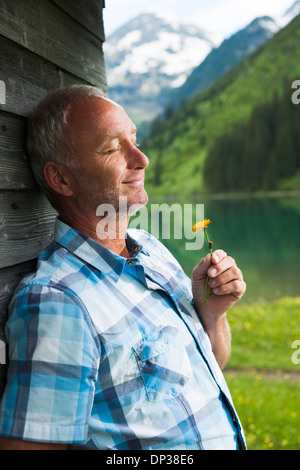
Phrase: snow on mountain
(151, 54)
(151, 57)
(219, 61)
(290, 14)
(268, 24)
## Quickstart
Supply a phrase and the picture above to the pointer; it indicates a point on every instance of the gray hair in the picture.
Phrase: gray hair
(47, 139)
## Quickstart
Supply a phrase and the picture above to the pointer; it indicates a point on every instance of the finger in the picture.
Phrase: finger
(236, 288)
(218, 255)
(231, 274)
(225, 263)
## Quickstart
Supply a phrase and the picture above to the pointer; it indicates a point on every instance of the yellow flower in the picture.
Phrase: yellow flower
(201, 225)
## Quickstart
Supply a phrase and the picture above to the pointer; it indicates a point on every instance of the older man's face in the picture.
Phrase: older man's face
(110, 163)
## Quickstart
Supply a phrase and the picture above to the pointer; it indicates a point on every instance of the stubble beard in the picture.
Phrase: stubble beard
(124, 206)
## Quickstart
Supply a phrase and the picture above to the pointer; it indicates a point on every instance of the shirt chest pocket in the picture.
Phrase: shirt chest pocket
(163, 363)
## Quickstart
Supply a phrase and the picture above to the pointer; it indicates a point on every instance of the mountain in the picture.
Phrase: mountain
(179, 146)
(290, 14)
(149, 56)
(232, 51)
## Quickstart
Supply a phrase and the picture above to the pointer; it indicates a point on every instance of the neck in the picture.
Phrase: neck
(109, 233)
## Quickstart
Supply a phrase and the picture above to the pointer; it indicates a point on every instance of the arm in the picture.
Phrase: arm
(16, 444)
(52, 369)
(227, 287)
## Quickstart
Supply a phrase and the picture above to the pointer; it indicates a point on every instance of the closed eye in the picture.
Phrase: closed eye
(110, 151)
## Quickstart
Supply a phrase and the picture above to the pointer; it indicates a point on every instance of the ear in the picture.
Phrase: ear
(58, 178)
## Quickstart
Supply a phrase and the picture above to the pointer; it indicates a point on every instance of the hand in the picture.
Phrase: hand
(227, 284)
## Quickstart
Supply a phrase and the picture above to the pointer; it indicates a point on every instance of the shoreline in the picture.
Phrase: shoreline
(226, 196)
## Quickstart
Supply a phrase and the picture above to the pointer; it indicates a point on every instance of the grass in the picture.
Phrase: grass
(263, 334)
(269, 409)
(263, 380)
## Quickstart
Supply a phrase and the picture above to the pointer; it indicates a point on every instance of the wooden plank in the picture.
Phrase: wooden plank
(88, 14)
(66, 79)
(12, 132)
(46, 30)
(27, 77)
(26, 226)
(15, 172)
(14, 169)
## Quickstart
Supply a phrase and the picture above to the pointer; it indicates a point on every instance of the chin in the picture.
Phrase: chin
(137, 203)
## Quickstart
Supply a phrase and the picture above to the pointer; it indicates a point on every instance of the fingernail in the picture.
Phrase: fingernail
(216, 258)
(212, 272)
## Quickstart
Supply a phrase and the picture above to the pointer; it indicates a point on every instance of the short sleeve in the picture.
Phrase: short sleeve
(53, 366)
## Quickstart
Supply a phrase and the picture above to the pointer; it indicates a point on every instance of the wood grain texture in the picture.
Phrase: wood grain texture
(14, 169)
(26, 226)
(49, 32)
(88, 14)
(27, 77)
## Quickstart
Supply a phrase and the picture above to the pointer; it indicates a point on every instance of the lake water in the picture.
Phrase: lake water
(262, 234)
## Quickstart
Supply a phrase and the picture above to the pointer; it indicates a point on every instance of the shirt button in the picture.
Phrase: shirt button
(129, 262)
(137, 249)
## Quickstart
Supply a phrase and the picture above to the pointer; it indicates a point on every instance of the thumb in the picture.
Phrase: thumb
(200, 271)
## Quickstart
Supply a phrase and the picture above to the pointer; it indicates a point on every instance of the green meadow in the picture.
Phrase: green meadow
(263, 374)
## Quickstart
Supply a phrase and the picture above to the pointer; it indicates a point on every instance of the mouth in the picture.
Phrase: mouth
(135, 182)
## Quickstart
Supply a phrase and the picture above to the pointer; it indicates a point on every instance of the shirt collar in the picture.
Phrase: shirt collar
(93, 253)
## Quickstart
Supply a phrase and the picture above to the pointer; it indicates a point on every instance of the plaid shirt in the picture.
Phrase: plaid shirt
(107, 353)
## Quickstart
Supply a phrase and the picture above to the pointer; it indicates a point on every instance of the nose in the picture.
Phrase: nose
(136, 159)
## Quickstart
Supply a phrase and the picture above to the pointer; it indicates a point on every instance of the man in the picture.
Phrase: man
(106, 347)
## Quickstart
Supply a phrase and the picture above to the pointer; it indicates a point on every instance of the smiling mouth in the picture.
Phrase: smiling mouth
(136, 181)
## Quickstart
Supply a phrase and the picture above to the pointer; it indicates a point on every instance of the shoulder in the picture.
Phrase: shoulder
(47, 300)
(56, 275)
(46, 318)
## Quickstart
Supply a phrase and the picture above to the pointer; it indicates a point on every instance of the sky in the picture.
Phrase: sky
(219, 17)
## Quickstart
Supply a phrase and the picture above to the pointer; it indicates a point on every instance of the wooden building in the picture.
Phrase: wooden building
(44, 45)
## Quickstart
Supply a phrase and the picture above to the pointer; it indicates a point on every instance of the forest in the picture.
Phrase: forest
(258, 154)
(242, 134)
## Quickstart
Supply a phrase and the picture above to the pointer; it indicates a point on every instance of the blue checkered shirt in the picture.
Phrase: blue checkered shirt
(107, 353)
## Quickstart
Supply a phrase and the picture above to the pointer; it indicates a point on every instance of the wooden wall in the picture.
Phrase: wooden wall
(44, 45)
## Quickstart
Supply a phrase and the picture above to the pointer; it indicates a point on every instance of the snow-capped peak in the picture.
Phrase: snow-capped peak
(268, 24)
(289, 14)
(151, 45)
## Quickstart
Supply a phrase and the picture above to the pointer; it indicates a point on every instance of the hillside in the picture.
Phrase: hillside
(220, 60)
(179, 145)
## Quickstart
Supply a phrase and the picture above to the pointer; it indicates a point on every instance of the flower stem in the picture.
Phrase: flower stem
(208, 279)
(206, 236)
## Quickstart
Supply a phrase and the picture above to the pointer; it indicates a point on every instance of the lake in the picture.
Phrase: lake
(262, 234)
